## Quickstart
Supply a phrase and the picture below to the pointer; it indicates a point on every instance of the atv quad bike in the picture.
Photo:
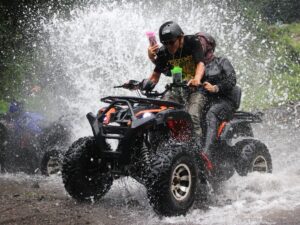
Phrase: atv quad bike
(28, 143)
(156, 147)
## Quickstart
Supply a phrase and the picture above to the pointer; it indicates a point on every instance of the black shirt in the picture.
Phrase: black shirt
(187, 58)
(220, 72)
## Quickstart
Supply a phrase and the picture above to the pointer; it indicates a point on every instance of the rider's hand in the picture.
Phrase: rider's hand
(152, 52)
(194, 82)
(131, 85)
(147, 85)
(210, 88)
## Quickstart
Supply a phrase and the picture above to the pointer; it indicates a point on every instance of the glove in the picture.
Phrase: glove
(131, 85)
(147, 85)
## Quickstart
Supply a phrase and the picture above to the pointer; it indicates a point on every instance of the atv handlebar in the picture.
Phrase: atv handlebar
(136, 85)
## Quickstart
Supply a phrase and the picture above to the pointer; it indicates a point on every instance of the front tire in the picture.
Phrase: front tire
(173, 180)
(83, 176)
(253, 156)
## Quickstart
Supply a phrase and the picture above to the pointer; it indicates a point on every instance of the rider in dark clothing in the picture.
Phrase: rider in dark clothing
(184, 52)
(187, 57)
(219, 80)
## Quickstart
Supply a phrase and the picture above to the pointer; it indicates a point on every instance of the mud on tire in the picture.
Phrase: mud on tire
(172, 180)
(83, 177)
(252, 156)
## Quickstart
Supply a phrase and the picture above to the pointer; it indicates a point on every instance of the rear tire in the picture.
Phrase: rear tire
(253, 156)
(83, 176)
(172, 180)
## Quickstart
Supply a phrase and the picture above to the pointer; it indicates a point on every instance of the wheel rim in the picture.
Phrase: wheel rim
(53, 166)
(260, 164)
(181, 182)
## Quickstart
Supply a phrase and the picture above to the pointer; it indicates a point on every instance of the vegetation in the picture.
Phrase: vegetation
(278, 22)
(19, 37)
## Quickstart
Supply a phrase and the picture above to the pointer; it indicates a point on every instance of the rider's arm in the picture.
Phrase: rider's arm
(199, 73)
(199, 61)
(155, 77)
(149, 84)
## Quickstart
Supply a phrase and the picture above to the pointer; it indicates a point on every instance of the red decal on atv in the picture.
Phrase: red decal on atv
(180, 129)
(221, 128)
(208, 163)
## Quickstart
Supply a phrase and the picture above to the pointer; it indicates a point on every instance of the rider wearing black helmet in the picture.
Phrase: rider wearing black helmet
(182, 51)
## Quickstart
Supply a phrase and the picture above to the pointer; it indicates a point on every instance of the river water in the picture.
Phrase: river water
(104, 44)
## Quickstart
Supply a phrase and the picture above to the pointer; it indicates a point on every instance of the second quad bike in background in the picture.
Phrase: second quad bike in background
(29, 143)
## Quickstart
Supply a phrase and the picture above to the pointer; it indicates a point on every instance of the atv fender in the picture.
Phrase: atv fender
(236, 128)
(93, 122)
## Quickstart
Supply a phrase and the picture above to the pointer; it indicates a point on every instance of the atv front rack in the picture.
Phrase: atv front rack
(133, 100)
(125, 119)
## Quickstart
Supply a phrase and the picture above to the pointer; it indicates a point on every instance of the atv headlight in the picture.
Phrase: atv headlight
(147, 114)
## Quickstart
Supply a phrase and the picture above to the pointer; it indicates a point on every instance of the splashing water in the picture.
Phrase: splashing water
(104, 45)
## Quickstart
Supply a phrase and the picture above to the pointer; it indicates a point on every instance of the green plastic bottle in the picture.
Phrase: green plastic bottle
(177, 74)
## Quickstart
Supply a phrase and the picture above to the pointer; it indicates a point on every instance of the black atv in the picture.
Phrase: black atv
(156, 147)
(30, 144)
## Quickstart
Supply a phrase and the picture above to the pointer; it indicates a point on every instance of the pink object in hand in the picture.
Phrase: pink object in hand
(151, 37)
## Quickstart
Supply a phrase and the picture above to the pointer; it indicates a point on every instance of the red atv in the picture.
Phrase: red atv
(156, 147)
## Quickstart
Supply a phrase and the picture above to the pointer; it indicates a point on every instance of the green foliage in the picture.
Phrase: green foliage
(286, 11)
(288, 35)
(284, 83)
(3, 107)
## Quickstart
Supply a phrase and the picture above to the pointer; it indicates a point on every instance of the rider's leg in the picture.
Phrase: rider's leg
(211, 133)
(174, 96)
(219, 111)
(195, 106)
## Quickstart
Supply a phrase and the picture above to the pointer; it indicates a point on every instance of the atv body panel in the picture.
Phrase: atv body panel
(128, 119)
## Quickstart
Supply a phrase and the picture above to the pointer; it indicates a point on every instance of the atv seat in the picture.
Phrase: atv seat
(235, 96)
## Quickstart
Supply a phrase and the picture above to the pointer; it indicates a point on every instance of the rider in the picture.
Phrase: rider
(22, 120)
(219, 81)
(183, 51)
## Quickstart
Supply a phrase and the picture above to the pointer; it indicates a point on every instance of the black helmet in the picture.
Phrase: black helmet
(209, 39)
(169, 30)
